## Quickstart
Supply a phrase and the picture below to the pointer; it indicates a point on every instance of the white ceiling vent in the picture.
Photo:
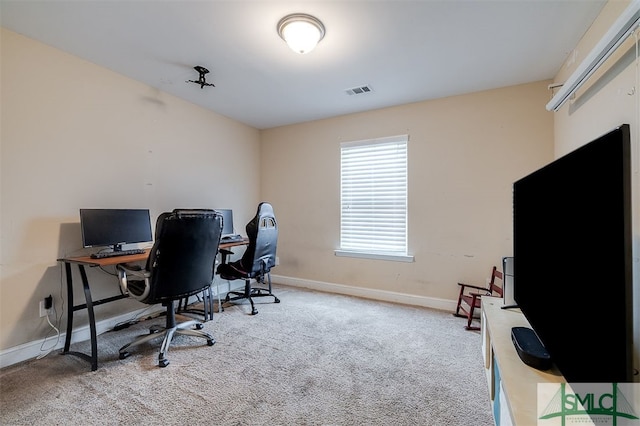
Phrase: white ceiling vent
(359, 90)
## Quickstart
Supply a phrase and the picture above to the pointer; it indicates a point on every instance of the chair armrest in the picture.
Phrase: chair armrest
(225, 254)
(473, 286)
(135, 270)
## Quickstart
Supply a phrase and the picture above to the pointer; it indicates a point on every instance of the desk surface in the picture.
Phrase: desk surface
(89, 261)
(242, 242)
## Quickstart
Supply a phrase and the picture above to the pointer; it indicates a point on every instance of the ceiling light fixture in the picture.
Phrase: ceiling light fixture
(302, 32)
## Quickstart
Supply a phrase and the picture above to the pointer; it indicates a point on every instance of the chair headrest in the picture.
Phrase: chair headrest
(265, 209)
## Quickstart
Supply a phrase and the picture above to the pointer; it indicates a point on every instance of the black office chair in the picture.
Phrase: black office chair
(180, 264)
(257, 260)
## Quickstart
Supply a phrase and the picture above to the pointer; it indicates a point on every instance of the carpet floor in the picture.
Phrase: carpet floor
(313, 359)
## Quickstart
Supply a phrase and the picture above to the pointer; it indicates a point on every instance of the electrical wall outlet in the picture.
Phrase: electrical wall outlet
(46, 305)
(43, 311)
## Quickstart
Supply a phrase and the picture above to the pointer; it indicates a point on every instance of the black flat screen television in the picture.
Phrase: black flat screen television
(573, 259)
(114, 227)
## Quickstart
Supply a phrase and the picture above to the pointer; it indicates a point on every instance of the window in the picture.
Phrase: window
(373, 198)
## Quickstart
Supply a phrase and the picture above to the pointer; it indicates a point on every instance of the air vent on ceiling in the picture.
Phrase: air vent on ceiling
(359, 90)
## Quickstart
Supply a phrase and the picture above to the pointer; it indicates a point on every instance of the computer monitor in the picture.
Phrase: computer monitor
(227, 221)
(115, 227)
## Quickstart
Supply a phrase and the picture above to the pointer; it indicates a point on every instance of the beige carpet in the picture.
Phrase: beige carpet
(314, 359)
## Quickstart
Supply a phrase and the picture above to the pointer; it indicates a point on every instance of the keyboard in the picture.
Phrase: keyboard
(106, 254)
(231, 238)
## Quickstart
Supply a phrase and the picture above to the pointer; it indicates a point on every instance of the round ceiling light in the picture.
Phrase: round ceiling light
(302, 32)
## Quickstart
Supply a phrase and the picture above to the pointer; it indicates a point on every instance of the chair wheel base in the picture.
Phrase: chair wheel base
(210, 342)
(124, 355)
(276, 300)
(254, 311)
(199, 326)
(163, 362)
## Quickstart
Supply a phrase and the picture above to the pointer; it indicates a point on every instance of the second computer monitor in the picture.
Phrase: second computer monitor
(227, 221)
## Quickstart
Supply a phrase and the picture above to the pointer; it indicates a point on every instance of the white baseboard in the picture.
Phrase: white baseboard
(33, 349)
(368, 293)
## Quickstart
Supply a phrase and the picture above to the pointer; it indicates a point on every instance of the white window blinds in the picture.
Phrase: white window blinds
(374, 195)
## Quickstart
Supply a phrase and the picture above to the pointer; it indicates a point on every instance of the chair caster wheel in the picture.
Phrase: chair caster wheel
(254, 312)
(276, 300)
(199, 326)
(124, 355)
(163, 362)
(210, 342)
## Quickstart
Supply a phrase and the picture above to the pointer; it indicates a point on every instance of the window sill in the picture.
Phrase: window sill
(375, 256)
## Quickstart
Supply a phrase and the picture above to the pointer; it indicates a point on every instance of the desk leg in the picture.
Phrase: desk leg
(67, 341)
(93, 359)
(92, 319)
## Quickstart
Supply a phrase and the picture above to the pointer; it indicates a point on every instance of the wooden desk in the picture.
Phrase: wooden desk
(82, 262)
(86, 261)
(242, 242)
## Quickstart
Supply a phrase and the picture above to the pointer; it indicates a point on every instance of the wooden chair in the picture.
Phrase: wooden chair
(471, 295)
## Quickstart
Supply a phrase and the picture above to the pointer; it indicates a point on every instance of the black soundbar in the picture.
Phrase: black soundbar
(530, 349)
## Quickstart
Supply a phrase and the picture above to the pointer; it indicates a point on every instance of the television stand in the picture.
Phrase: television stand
(513, 385)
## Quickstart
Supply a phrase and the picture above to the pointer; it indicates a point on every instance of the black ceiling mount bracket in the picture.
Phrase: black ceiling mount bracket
(201, 79)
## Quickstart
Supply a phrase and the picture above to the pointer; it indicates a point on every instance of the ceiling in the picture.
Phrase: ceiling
(406, 51)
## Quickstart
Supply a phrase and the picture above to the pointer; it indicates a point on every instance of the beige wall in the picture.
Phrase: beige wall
(67, 124)
(609, 98)
(464, 154)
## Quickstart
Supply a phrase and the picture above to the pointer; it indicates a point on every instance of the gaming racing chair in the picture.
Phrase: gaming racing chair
(257, 260)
